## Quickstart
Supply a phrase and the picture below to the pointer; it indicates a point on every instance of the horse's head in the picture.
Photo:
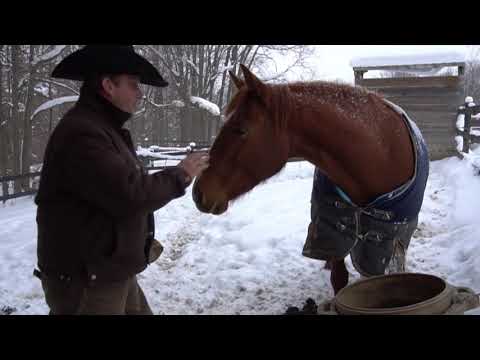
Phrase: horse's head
(251, 146)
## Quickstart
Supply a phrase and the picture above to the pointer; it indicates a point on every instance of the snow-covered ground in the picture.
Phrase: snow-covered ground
(248, 260)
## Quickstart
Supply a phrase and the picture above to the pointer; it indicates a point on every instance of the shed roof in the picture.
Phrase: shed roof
(420, 61)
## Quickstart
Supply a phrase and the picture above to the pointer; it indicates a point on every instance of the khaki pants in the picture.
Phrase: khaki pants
(116, 298)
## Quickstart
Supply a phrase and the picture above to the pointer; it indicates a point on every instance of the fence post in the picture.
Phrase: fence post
(4, 191)
(466, 126)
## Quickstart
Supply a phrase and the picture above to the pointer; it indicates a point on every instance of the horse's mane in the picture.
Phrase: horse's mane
(328, 91)
(284, 99)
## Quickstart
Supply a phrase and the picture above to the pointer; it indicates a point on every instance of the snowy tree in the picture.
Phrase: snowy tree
(32, 103)
(472, 73)
(21, 68)
(201, 71)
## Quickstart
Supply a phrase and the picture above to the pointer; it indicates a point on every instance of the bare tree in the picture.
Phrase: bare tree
(472, 73)
(202, 71)
(3, 123)
(17, 107)
(185, 111)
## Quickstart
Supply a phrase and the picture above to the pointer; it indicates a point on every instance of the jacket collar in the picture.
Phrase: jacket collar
(98, 103)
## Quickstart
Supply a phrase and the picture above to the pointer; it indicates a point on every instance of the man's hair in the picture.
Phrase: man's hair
(94, 82)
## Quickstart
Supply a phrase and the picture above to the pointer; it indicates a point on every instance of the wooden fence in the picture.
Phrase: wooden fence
(471, 114)
(7, 183)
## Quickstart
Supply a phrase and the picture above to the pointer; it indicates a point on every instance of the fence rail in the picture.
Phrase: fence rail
(8, 182)
(14, 181)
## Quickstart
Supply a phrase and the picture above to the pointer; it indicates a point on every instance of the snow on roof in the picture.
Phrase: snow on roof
(413, 59)
(206, 105)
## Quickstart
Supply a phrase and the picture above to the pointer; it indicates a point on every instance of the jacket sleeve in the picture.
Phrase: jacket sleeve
(97, 173)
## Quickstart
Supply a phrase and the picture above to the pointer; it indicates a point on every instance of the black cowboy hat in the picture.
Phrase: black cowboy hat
(107, 59)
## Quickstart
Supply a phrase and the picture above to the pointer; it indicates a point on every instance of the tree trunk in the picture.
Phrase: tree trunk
(159, 122)
(15, 120)
(3, 160)
(27, 125)
(50, 115)
(199, 119)
(3, 127)
(234, 62)
(222, 89)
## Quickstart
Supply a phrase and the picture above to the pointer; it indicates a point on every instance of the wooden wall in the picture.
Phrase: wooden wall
(432, 102)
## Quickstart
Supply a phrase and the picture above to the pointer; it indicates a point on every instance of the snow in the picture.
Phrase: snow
(248, 260)
(178, 103)
(206, 105)
(49, 55)
(55, 102)
(42, 88)
(151, 152)
(459, 142)
(155, 148)
(174, 103)
(475, 311)
(460, 121)
(417, 59)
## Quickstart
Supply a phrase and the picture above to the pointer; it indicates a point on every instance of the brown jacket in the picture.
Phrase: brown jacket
(95, 199)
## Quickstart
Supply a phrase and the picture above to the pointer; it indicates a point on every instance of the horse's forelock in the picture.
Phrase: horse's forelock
(237, 99)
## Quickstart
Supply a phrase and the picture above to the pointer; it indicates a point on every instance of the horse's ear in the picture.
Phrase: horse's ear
(255, 84)
(236, 80)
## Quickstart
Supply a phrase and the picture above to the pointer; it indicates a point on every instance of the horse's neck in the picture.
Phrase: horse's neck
(351, 153)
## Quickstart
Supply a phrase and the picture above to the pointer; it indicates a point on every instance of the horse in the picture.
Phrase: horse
(366, 149)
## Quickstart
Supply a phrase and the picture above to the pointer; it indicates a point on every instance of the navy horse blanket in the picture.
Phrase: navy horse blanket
(371, 234)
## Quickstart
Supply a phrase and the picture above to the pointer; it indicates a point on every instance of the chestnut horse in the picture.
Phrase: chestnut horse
(352, 136)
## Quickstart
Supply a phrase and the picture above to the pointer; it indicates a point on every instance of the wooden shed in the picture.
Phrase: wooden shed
(430, 88)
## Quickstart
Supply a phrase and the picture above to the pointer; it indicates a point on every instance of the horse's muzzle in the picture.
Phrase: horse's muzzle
(215, 208)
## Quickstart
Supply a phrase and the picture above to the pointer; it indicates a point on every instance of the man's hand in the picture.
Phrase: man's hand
(194, 164)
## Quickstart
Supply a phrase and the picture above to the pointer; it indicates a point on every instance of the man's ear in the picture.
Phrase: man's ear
(107, 85)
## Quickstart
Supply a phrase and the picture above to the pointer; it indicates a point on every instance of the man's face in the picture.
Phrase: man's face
(123, 91)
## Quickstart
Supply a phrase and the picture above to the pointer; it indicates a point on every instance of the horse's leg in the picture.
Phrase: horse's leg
(338, 275)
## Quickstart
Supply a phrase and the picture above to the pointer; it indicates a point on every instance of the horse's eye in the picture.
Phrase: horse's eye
(241, 131)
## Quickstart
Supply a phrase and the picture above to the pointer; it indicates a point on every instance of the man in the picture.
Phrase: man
(95, 200)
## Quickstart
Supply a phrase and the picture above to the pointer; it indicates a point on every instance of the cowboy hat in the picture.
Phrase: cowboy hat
(107, 59)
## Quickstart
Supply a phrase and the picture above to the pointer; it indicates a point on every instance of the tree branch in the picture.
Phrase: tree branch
(162, 59)
(48, 56)
(57, 84)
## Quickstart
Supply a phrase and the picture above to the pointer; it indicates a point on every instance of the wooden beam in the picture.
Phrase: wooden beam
(414, 82)
(408, 67)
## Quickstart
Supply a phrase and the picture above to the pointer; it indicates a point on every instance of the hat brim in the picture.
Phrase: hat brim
(82, 64)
